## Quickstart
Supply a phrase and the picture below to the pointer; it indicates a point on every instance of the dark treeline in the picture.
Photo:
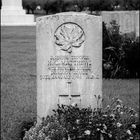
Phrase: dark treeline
(55, 6)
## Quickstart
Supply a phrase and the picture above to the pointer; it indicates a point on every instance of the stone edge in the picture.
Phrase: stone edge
(38, 19)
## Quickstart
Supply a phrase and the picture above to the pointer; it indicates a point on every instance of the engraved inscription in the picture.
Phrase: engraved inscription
(69, 35)
(65, 67)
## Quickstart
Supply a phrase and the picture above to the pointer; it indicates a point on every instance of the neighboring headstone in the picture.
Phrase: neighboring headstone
(12, 13)
(127, 22)
(125, 19)
(137, 23)
(69, 60)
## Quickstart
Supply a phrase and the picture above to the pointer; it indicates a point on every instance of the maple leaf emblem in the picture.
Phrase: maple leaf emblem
(69, 35)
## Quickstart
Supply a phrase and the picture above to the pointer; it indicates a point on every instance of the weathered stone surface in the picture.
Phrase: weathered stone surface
(69, 60)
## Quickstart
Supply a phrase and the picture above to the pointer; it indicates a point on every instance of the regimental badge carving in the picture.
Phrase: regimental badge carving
(69, 35)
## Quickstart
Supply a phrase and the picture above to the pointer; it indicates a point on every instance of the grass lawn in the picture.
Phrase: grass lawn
(18, 81)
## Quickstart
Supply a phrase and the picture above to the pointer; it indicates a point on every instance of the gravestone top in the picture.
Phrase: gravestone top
(65, 14)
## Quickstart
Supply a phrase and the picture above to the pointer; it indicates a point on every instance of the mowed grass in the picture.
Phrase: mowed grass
(18, 81)
(125, 89)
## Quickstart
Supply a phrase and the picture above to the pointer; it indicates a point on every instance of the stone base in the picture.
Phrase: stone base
(16, 17)
(14, 20)
(16, 11)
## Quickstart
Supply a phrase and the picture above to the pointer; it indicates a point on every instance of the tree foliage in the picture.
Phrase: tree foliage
(94, 5)
(120, 53)
(0, 4)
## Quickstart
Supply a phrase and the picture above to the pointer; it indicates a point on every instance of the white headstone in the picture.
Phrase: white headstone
(69, 61)
(12, 13)
(125, 19)
(137, 23)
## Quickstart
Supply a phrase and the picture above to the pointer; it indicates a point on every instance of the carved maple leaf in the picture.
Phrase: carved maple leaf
(69, 35)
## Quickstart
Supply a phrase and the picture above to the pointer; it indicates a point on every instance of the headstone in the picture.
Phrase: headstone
(69, 61)
(12, 13)
(137, 23)
(125, 19)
